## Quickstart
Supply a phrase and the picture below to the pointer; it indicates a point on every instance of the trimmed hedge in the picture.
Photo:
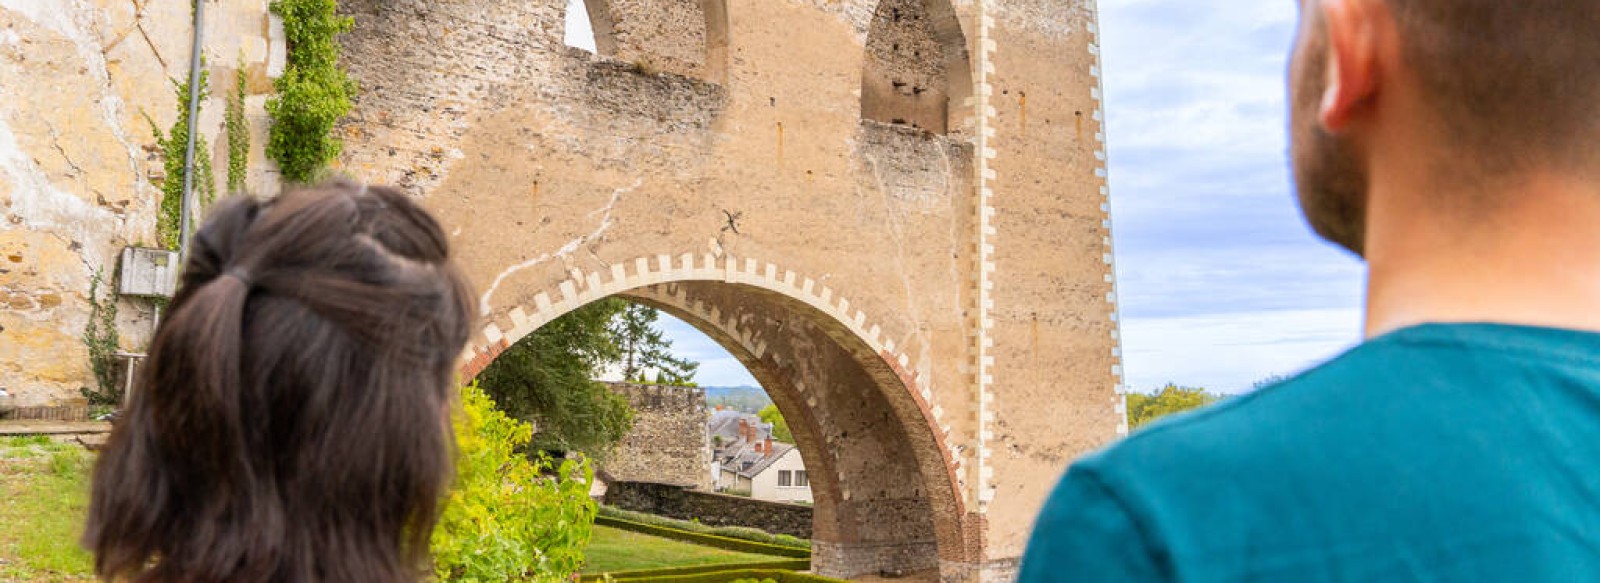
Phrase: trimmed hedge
(720, 542)
(788, 565)
(735, 575)
(738, 532)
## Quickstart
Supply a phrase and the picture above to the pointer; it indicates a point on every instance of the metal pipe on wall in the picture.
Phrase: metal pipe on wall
(186, 208)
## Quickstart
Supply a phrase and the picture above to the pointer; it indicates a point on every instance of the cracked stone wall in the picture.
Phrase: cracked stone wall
(79, 169)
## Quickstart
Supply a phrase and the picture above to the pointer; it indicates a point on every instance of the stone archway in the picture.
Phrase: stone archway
(886, 480)
(560, 177)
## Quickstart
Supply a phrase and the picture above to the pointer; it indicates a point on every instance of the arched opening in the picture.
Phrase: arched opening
(683, 37)
(916, 71)
(884, 490)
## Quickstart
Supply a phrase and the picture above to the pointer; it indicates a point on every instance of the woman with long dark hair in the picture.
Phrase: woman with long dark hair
(292, 421)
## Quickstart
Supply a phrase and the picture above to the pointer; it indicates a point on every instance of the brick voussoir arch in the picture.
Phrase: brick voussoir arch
(582, 288)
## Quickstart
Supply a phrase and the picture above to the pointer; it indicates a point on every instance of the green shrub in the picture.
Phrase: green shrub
(507, 517)
(738, 532)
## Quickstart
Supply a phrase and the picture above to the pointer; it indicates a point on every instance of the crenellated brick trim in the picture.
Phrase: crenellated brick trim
(1102, 179)
(979, 318)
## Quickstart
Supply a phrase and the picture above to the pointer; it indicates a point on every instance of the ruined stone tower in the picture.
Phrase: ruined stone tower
(894, 212)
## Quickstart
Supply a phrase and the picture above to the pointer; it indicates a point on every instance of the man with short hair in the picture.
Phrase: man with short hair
(1455, 145)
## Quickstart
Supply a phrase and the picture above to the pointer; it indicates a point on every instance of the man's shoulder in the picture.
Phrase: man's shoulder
(1327, 412)
(1386, 388)
(1398, 442)
(1268, 415)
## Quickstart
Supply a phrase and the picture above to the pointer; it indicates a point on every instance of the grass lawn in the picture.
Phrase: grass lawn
(45, 489)
(613, 550)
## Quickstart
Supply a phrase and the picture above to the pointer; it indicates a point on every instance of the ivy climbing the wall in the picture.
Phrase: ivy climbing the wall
(100, 336)
(173, 146)
(313, 92)
(238, 136)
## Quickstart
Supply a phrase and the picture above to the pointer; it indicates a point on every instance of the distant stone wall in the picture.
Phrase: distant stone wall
(712, 509)
(668, 442)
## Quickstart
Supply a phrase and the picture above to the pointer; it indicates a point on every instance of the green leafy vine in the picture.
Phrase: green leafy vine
(238, 136)
(313, 93)
(101, 337)
(173, 146)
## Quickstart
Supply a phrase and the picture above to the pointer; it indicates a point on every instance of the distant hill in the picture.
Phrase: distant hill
(742, 398)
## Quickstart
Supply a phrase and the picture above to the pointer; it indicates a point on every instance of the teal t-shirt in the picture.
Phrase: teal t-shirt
(1461, 452)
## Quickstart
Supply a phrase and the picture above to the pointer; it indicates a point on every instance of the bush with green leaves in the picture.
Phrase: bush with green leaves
(313, 93)
(547, 378)
(510, 516)
(780, 428)
(1171, 399)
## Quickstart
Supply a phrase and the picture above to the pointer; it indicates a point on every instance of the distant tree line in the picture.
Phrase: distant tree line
(1145, 408)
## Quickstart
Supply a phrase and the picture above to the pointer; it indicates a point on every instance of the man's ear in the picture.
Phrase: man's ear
(1352, 59)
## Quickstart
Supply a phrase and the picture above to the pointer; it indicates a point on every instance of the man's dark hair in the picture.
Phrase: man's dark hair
(1517, 80)
(292, 421)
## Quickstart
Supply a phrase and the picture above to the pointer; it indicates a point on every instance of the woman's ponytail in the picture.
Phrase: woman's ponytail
(283, 428)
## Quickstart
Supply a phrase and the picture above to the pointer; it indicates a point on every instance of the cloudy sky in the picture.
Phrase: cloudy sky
(1221, 282)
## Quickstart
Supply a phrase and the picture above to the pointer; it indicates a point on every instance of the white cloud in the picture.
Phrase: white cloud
(1230, 352)
(1221, 283)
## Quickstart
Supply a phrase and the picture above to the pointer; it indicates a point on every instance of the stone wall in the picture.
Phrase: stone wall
(711, 509)
(81, 83)
(888, 560)
(661, 35)
(668, 442)
(905, 81)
